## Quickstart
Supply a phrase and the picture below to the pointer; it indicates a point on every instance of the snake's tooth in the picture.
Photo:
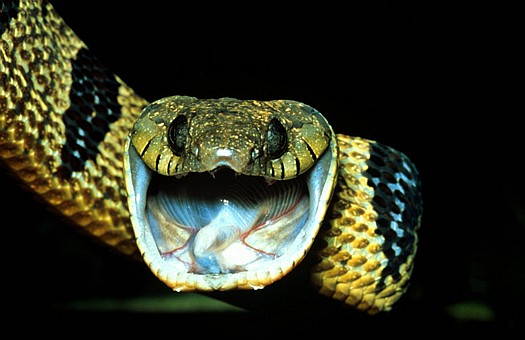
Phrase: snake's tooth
(252, 280)
(276, 273)
(264, 278)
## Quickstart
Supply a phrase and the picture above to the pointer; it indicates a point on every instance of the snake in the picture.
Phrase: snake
(212, 194)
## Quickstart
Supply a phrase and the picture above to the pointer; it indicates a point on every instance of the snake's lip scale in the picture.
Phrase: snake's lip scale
(259, 268)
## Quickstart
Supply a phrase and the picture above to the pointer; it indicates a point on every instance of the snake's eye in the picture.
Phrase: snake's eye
(178, 134)
(277, 139)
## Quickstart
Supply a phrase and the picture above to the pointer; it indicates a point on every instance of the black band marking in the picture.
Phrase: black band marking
(157, 162)
(312, 153)
(94, 106)
(297, 166)
(146, 147)
(398, 204)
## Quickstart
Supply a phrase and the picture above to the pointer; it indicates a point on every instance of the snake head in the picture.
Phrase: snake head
(227, 193)
(274, 139)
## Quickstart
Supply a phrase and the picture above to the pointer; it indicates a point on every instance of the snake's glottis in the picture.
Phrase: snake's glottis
(213, 194)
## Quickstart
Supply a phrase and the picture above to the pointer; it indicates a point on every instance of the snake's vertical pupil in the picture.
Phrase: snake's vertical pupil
(277, 139)
(178, 134)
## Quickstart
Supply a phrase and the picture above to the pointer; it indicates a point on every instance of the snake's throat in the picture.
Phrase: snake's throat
(225, 223)
(225, 231)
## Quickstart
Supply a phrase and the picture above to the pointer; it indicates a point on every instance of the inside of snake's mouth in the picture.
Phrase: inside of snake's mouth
(223, 222)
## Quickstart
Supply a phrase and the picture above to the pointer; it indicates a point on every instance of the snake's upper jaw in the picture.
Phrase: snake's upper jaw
(227, 231)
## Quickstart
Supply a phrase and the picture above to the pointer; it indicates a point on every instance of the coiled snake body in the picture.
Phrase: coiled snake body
(213, 194)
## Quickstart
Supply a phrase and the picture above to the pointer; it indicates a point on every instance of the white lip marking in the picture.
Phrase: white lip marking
(224, 153)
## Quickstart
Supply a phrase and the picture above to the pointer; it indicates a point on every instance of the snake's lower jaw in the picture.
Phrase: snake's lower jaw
(225, 231)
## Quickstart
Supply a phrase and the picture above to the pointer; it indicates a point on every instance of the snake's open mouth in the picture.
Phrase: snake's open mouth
(224, 223)
(222, 230)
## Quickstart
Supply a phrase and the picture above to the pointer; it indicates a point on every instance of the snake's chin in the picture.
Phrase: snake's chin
(221, 230)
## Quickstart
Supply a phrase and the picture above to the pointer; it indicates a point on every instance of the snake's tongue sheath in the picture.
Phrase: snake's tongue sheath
(214, 247)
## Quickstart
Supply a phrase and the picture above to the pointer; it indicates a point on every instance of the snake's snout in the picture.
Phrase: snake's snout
(220, 158)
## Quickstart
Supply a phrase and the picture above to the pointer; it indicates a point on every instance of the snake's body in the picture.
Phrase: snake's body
(64, 126)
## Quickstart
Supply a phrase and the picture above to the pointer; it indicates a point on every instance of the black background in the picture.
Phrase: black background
(433, 80)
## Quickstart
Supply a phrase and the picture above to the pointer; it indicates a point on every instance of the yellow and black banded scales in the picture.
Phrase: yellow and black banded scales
(375, 213)
(64, 119)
